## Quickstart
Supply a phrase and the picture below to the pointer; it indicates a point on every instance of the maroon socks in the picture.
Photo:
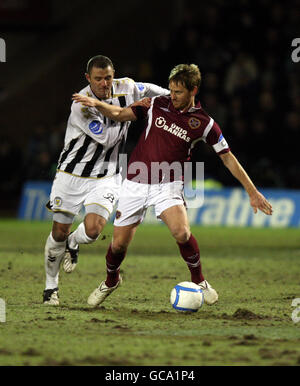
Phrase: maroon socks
(113, 262)
(189, 251)
(191, 255)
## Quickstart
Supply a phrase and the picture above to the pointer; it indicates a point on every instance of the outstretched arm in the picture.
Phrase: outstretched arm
(115, 113)
(257, 200)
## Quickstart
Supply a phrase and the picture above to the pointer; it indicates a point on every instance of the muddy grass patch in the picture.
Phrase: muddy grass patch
(31, 352)
(244, 314)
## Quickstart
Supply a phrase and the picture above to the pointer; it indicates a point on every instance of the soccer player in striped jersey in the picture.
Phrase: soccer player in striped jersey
(88, 173)
(174, 124)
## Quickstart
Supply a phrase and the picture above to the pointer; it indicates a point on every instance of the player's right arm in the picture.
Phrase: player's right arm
(257, 200)
(218, 142)
(113, 112)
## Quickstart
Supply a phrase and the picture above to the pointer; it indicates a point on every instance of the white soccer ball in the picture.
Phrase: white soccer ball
(187, 296)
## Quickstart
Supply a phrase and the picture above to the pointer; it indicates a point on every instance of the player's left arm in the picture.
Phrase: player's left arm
(257, 200)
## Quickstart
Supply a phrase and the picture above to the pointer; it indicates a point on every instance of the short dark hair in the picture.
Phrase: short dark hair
(188, 75)
(98, 61)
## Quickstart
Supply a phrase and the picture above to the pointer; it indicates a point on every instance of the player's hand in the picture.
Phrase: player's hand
(258, 201)
(85, 100)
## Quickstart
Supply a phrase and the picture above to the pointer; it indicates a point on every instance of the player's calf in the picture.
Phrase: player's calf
(75, 238)
(53, 255)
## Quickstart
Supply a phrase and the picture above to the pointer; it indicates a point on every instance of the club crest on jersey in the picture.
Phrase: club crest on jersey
(57, 201)
(96, 127)
(118, 214)
(194, 123)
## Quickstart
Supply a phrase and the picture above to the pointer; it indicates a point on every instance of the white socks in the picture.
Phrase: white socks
(54, 252)
(79, 237)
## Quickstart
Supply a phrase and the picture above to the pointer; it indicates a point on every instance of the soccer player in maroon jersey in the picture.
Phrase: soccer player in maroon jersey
(174, 124)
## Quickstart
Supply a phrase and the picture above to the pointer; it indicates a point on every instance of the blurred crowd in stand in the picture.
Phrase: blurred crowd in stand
(250, 85)
(37, 160)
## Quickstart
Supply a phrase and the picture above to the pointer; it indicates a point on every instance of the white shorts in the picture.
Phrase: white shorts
(135, 198)
(69, 193)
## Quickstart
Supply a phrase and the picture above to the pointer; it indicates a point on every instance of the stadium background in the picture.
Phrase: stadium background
(243, 48)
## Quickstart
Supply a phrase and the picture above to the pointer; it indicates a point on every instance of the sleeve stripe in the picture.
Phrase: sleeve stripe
(150, 117)
(207, 129)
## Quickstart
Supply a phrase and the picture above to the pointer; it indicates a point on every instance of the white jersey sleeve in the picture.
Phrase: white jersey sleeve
(142, 90)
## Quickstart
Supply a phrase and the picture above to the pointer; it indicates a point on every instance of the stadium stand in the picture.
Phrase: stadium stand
(250, 84)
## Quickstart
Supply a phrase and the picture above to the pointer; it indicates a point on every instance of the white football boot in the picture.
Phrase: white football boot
(50, 297)
(70, 259)
(210, 294)
(100, 294)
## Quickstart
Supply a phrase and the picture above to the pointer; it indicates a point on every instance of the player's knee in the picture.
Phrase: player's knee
(93, 225)
(93, 232)
(118, 247)
(182, 234)
(60, 232)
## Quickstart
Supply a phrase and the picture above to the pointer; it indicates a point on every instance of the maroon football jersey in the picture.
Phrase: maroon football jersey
(169, 137)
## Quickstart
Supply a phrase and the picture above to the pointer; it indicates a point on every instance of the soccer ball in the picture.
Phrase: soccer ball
(187, 296)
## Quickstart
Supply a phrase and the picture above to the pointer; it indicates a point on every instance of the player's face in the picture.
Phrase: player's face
(181, 97)
(101, 80)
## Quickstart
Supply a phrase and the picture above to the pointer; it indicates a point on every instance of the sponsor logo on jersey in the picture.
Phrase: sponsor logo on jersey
(160, 122)
(96, 127)
(173, 129)
(140, 86)
(194, 123)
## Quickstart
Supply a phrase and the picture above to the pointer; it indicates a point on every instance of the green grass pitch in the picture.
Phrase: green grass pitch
(255, 271)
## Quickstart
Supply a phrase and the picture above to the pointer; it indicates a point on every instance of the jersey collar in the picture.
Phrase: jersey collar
(191, 109)
(95, 96)
(195, 108)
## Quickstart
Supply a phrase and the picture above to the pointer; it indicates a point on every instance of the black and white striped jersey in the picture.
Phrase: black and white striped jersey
(92, 141)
